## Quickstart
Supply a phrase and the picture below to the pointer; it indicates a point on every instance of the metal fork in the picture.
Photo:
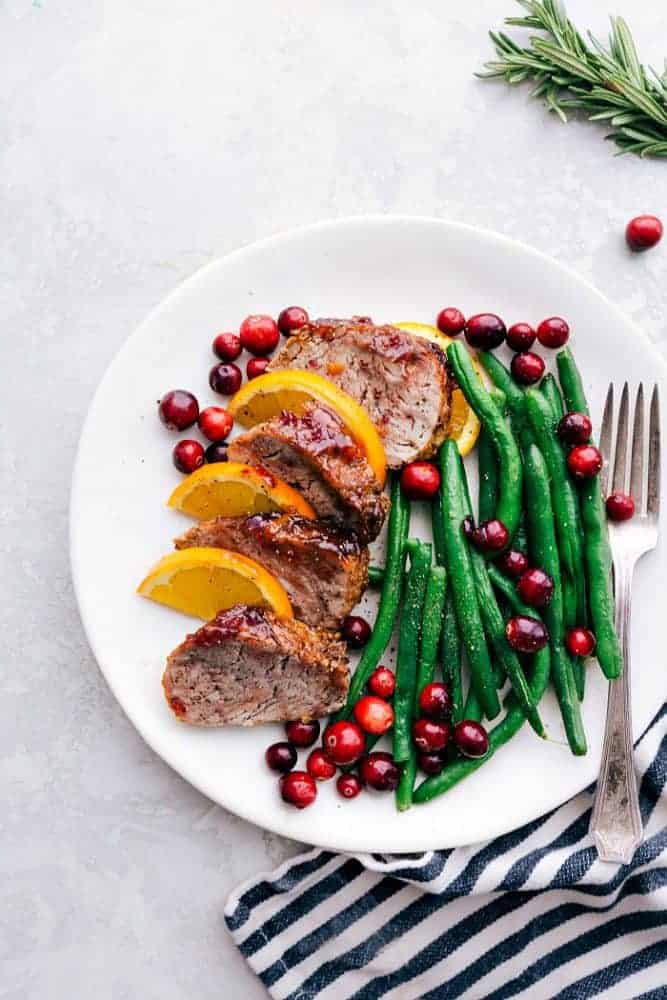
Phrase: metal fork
(616, 823)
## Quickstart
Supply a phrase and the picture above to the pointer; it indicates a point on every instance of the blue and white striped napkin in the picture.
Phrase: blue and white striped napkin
(533, 914)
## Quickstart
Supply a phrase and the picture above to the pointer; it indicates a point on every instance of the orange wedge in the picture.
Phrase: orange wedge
(231, 489)
(291, 389)
(202, 581)
(464, 425)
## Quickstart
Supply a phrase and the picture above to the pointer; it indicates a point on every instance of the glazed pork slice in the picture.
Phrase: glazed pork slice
(402, 380)
(247, 666)
(314, 453)
(323, 571)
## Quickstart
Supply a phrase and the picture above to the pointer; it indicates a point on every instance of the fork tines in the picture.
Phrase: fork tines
(626, 465)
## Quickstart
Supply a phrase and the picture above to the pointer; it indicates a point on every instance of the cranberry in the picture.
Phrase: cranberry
(485, 331)
(374, 715)
(520, 337)
(527, 368)
(491, 536)
(435, 701)
(430, 736)
(298, 789)
(382, 682)
(451, 321)
(302, 734)
(215, 423)
(575, 428)
(344, 742)
(643, 232)
(356, 631)
(527, 635)
(320, 766)
(620, 507)
(553, 332)
(430, 763)
(256, 367)
(584, 461)
(535, 587)
(178, 410)
(291, 319)
(227, 346)
(280, 757)
(580, 642)
(471, 738)
(188, 456)
(259, 334)
(348, 786)
(225, 379)
(513, 563)
(379, 771)
(468, 527)
(420, 481)
(216, 452)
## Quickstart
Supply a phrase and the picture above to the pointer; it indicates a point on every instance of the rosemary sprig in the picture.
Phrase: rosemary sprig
(574, 74)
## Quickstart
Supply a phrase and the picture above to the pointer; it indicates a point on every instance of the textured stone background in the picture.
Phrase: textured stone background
(139, 140)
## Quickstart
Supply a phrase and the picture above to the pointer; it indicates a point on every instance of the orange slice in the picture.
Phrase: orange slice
(202, 581)
(231, 489)
(290, 389)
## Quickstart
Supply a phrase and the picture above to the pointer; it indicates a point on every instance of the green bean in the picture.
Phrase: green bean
(597, 552)
(463, 587)
(408, 645)
(472, 708)
(488, 476)
(514, 395)
(542, 538)
(450, 640)
(551, 392)
(491, 415)
(375, 576)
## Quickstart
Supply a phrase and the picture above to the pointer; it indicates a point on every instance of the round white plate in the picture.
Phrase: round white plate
(394, 269)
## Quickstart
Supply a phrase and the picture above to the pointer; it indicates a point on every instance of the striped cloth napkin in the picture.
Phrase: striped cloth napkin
(533, 914)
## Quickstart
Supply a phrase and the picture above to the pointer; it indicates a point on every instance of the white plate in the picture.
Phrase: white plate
(394, 269)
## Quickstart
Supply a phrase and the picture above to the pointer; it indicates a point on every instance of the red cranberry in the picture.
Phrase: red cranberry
(188, 456)
(216, 452)
(348, 786)
(485, 331)
(451, 321)
(320, 767)
(526, 635)
(215, 423)
(643, 232)
(471, 738)
(225, 379)
(535, 587)
(178, 410)
(430, 736)
(344, 742)
(584, 461)
(280, 757)
(620, 507)
(575, 428)
(491, 536)
(302, 734)
(374, 715)
(520, 337)
(430, 763)
(292, 319)
(527, 368)
(382, 682)
(379, 771)
(256, 367)
(259, 334)
(553, 332)
(298, 789)
(227, 346)
(513, 563)
(435, 701)
(580, 642)
(356, 631)
(420, 481)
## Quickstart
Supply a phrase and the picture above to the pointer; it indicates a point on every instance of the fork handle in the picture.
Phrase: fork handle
(616, 824)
